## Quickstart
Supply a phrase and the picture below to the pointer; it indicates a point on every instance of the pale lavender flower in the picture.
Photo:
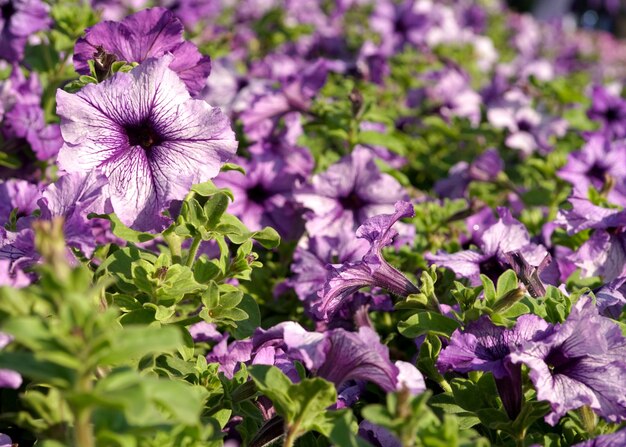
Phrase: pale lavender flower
(340, 356)
(313, 255)
(204, 331)
(74, 197)
(484, 168)
(146, 34)
(147, 136)
(261, 120)
(5, 441)
(528, 130)
(19, 19)
(579, 362)
(263, 195)
(451, 92)
(18, 195)
(610, 111)
(604, 253)
(17, 256)
(229, 356)
(599, 160)
(348, 193)
(504, 236)
(610, 298)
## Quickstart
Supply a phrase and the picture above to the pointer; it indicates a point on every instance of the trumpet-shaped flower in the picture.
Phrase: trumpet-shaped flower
(147, 136)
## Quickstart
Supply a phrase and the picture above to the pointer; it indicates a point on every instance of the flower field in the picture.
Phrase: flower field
(352, 223)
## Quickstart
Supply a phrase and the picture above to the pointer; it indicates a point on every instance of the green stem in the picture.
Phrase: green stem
(291, 436)
(83, 430)
(174, 243)
(83, 434)
(445, 386)
(193, 250)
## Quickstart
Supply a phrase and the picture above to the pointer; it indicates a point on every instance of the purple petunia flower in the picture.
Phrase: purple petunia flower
(483, 346)
(340, 356)
(147, 136)
(504, 236)
(484, 168)
(73, 197)
(149, 33)
(314, 254)
(5, 441)
(230, 356)
(17, 195)
(372, 270)
(528, 130)
(261, 120)
(611, 299)
(263, 195)
(377, 436)
(26, 121)
(348, 193)
(451, 92)
(599, 160)
(604, 253)
(19, 19)
(579, 362)
(610, 111)
(17, 254)
(617, 439)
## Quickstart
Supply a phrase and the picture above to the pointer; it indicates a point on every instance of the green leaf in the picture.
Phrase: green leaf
(301, 404)
(271, 382)
(178, 282)
(30, 366)
(267, 237)
(133, 342)
(214, 208)
(506, 282)
(488, 289)
(246, 328)
(122, 231)
(427, 322)
(232, 167)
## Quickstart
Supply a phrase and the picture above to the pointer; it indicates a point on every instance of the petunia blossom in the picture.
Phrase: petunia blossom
(372, 270)
(577, 363)
(483, 346)
(348, 193)
(504, 236)
(19, 19)
(152, 32)
(147, 136)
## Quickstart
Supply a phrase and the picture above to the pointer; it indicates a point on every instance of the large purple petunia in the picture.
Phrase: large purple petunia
(577, 363)
(149, 33)
(147, 136)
